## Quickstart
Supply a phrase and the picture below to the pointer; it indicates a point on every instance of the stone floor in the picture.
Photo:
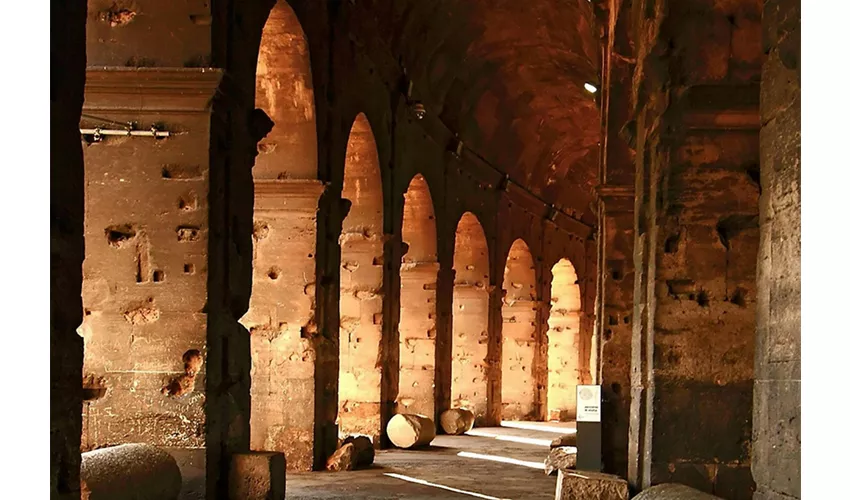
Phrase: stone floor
(453, 467)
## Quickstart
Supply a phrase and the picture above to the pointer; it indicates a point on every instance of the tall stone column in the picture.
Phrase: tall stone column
(776, 399)
(695, 94)
(147, 227)
(616, 238)
(285, 341)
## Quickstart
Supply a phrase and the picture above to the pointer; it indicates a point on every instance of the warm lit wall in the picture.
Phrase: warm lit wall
(263, 221)
(470, 310)
(145, 273)
(361, 281)
(284, 90)
(519, 326)
(281, 317)
(418, 297)
(564, 339)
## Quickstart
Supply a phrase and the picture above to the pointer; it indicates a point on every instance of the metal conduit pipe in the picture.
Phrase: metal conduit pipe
(125, 133)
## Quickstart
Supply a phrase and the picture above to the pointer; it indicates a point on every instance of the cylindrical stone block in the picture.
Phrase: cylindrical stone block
(457, 421)
(411, 431)
(672, 491)
(129, 471)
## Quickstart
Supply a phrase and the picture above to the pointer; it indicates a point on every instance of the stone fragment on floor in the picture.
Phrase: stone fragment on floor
(457, 421)
(561, 458)
(573, 485)
(411, 431)
(565, 440)
(355, 452)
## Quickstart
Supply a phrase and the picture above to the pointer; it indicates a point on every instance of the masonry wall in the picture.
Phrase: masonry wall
(519, 329)
(696, 244)
(167, 81)
(776, 400)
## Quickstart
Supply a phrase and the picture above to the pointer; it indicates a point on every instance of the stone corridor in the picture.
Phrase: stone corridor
(477, 474)
(291, 237)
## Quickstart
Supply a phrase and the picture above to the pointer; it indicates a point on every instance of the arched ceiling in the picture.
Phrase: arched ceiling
(508, 76)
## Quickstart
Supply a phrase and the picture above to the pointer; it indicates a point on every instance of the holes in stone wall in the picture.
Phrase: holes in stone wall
(189, 268)
(179, 171)
(671, 244)
(418, 276)
(361, 301)
(703, 299)
(188, 202)
(471, 263)
(158, 276)
(261, 230)
(564, 363)
(518, 347)
(739, 298)
(187, 234)
(185, 384)
(118, 236)
(273, 273)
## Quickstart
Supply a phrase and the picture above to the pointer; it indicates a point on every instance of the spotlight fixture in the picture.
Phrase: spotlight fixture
(415, 106)
(590, 87)
(418, 110)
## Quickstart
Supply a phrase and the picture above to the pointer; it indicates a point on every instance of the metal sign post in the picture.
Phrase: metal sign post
(589, 428)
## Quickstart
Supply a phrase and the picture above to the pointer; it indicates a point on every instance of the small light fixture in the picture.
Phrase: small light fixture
(590, 87)
(418, 110)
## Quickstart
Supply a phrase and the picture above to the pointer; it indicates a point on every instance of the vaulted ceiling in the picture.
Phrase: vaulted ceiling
(508, 77)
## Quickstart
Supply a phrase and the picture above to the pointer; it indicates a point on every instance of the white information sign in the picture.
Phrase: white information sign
(589, 398)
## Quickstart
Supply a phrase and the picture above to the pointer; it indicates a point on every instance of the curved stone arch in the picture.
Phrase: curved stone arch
(281, 315)
(564, 341)
(284, 90)
(519, 323)
(470, 317)
(361, 281)
(418, 301)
